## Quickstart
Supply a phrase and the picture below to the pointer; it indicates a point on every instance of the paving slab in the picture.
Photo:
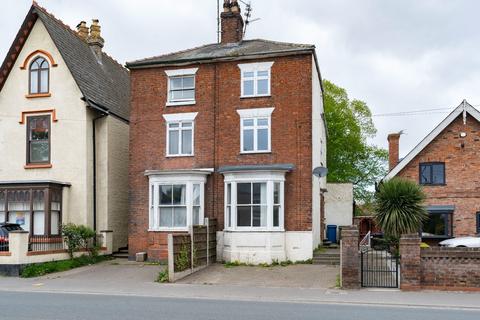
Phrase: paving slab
(292, 276)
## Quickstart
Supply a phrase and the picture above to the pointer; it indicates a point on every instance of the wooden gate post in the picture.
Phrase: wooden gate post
(349, 258)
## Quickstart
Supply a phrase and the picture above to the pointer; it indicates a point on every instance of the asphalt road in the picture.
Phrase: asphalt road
(53, 306)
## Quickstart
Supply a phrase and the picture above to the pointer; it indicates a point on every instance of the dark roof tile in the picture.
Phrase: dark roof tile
(214, 51)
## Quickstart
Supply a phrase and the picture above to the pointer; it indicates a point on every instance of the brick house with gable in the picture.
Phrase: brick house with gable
(444, 163)
(231, 131)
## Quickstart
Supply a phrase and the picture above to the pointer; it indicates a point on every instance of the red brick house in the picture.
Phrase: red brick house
(445, 164)
(230, 131)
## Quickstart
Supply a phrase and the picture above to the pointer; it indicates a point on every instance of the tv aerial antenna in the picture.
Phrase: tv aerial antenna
(248, 15)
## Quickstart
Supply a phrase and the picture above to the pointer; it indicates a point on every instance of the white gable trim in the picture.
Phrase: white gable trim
(463, 107)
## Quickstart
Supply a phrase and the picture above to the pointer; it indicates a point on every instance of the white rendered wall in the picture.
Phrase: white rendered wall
(339, 204)
(69, 139)
(319, 153)
(264, 247)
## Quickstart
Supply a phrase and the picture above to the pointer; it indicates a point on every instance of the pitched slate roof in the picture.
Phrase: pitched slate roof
(463, 108)
(104, 83)
(218, 51)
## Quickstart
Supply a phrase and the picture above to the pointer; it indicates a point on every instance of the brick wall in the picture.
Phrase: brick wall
(217, 138)
(349, 258)
(438, 268)
(461, 164)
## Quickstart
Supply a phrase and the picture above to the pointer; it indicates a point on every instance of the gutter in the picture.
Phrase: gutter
(104, 110)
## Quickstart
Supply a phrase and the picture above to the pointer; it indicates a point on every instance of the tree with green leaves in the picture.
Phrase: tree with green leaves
(350, 158)
(399, 207)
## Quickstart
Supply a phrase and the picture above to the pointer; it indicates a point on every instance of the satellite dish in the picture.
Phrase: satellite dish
(320, 172)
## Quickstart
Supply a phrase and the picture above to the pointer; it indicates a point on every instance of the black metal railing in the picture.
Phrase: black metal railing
(4, 243)
(379, 268)
(45, 243)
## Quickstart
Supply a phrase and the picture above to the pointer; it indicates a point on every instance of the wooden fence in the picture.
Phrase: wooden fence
(189, 253)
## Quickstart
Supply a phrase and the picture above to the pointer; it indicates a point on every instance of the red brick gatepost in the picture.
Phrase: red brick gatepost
(410, 262)
(349, 255)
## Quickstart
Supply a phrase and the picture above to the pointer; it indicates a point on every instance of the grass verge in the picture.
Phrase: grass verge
(40, 269)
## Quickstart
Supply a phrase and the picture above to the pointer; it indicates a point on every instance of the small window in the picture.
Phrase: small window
(432, 173)
(255, 135)
(181, 88)
(256, 79)
(180, 138)
(39, 76)
(38, 140)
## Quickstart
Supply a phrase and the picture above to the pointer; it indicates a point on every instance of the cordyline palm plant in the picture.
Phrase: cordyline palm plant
(399, 207)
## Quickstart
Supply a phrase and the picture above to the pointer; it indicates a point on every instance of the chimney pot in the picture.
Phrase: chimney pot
(234, 6)
(226, 6)
(82, 30)
(95, 39)
(393, 150)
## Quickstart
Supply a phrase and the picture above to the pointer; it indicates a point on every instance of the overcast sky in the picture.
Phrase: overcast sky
(396, 55)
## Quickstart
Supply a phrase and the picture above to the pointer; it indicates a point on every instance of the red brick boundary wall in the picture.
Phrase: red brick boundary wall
(349, 258)
(456, 269)
(410, 262)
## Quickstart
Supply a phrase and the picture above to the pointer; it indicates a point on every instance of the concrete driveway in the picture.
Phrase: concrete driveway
(299, 276)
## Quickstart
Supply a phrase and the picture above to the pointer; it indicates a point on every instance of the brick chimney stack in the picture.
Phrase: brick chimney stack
(232, 22)
(82, 30)
(95, 39)
(393, 149)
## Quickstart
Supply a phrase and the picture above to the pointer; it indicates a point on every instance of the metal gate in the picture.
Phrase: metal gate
(379, 268)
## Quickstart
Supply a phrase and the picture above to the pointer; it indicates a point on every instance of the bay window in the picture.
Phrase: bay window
(36, 208)
(254, 201)
(176, 200)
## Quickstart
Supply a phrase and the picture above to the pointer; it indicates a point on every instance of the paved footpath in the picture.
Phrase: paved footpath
(137, 281)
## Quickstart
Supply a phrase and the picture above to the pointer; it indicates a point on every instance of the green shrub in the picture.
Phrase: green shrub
(40, 269)
(72, 238)
(79, 236)
(163, 276)
(182, 260)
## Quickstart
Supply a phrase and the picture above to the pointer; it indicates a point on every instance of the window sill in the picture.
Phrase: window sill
(254, 230)
(433, 185)
(257, 96)
(179, 156)
(38, 95)
(37, 166)
(181, 103)
(168, 230)
(255, 152)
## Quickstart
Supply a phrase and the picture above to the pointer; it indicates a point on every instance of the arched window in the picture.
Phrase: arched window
(39, 76)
